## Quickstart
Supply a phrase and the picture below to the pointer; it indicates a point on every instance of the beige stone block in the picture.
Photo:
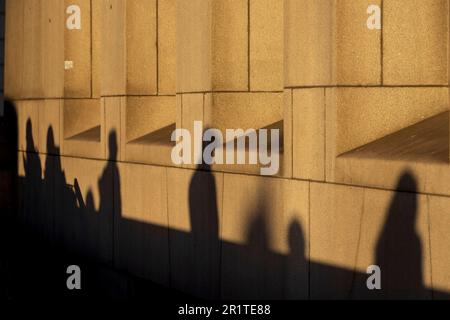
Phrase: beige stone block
(266, 45)
(251, 111)
(141, 26)
(439, 222)
(335, 219)
(49, 126)
(84, 220)
(167, 55)
(14, 49)
(83, 128)
(308, 41)
(141, 221)
(77, 48)
(194, 19)
(357, 55)
(52, 60)
(265, 227)
(28, 124)
(230, 45)
(147, 125)
(33, 50)
(424, 24)
(195, 215)
(108, 48)
(309, 134)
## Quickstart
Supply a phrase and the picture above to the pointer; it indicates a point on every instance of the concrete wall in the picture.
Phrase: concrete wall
(364, 175)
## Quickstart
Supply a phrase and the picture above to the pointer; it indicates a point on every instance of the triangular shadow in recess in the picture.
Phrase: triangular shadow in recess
(425, 141)
(160, 136)
(92, 134)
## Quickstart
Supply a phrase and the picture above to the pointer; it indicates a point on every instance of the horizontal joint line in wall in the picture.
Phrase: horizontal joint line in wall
(243, 173)
(371, 86)
(242, 91)
(87, 98)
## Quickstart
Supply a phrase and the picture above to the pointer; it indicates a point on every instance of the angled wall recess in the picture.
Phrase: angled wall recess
(83, 127)
(251, 111)
(82, 120)
(425, 141)
(147, 126)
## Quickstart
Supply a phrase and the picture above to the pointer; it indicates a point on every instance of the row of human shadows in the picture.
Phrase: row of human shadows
(208, 266)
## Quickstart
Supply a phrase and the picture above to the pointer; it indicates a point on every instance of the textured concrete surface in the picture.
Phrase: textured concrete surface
(77, 48)
(425, 62)
(141, 47)
(167, 46)
(109, 68)
(94, 141)
(266, 45)
(357, 55)
(309, 134)
(230, 45)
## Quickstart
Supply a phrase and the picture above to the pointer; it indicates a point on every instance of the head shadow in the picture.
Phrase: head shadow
(399, 248)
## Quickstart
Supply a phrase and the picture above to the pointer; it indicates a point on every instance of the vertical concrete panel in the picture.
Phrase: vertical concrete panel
(194, 45)
(141, 26)
(230, 45)
(141, 234)
(266, 45)
(108, 48)
(358, 50)
(14, 51)
(33, 50)
(425, 24)
(167, 55)
(77, 48)
(335, 220)
(52, 21)
(309, 133)
(308, 42)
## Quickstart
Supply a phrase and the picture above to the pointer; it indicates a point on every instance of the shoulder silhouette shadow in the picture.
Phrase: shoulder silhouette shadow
(399, 249)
